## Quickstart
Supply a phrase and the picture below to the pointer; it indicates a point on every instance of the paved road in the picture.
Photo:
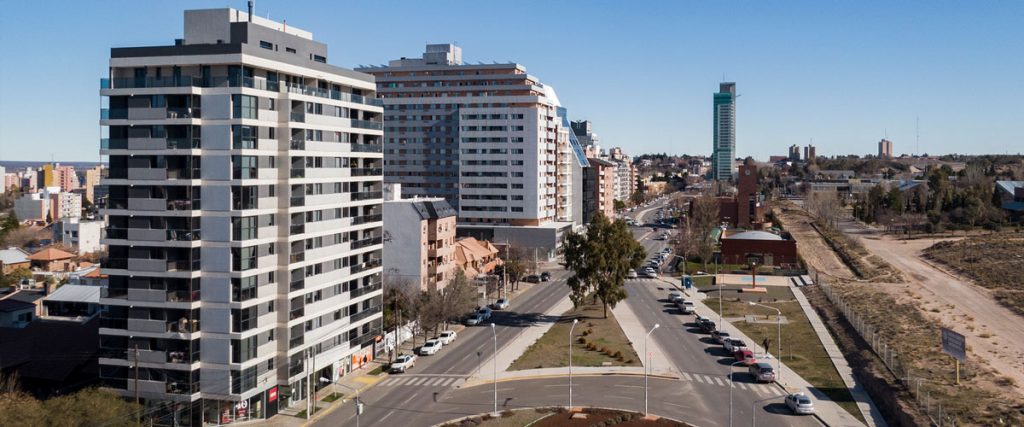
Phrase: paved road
(391, 403)
(703, 364)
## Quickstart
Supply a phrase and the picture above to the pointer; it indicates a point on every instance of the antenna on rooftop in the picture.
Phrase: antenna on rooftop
(250, 10)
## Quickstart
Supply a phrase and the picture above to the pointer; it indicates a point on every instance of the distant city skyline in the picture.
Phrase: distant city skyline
(845, 75)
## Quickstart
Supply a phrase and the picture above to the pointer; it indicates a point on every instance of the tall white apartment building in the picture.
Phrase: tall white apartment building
(244, 220)
(490, 138)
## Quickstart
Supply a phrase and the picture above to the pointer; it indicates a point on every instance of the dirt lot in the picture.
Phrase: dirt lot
(910, 313)
(811, 247)
(995, 262)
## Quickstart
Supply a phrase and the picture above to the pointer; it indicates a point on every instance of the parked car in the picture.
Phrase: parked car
(762, 372)
(545, 276)
(687, 307)
(650, 273)
(698, 319)
(733, 344)
(474, 319)
(500, 304)
(446, 337)
(800, 404)
(744, 355)
(632, 274)
(675, 297)
(403, 363)
(430, 347)
(720, 336)
(533, 278)
(708, 326)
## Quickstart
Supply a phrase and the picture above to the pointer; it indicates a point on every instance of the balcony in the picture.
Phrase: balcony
(367, 148)
(333, 94)
(364, 314)
(367, 195)
(183, 113)
(366, 242)
(297, 368)
(296, 285)
(298, 172)
(298, 144)
(183, 235)
(367, 219)
(182, 387)
(295, 342)
(362, 339)
(367, 124)
(357, 268)
(298, 117)
(357, 292)
(366, 171)
(184, 143)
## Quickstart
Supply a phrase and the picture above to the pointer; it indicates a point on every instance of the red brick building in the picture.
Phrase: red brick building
(759, 246)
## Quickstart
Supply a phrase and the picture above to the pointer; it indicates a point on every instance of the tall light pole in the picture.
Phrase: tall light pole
(574, 322)
(730, 388)
(359, 406)
(495, 369)
(646, 363)
(778, 320)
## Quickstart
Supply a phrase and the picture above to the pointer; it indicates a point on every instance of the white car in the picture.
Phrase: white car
(430, 347)
(800, 404)
(649, 272)
(687, 307)
(675, 296)
(500, 304)
(403, 363)
(475, 319)
(733, 344)
(632, 274)
(446, 337)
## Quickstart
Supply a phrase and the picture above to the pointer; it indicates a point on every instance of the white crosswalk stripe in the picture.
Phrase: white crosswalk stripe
(698, 378)
(420, 381)
(742, 385)
(686, 376)
(720, 382)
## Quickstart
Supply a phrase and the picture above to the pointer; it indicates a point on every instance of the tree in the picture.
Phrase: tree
(90, 407)
(14, 277)
(24, 236)
(457, 298)
(686, 245)
(398, 297)
(600, 258)
(513, 266)
(704, 217)
(619, 204)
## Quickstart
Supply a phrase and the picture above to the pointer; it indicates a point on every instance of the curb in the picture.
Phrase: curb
(341, 401)
(476, 383)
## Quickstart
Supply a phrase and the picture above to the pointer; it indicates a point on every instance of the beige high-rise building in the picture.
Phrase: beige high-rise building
(885, 149)
(92, 179)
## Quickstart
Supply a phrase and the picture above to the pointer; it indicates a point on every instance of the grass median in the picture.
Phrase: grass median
(802, 351)
(596, 341)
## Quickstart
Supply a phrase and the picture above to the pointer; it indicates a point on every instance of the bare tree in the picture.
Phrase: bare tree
(457, 299)
(24, 236)
(399, 294)
(686, 244)
(703, 218)
(825, 206)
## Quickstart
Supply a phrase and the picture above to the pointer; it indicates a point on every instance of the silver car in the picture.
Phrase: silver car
(800, 404)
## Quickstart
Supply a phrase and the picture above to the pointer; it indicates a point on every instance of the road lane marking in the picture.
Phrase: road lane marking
(698, 378)
(686, 376)
(418, 381)
(628, 386)
(720, 382)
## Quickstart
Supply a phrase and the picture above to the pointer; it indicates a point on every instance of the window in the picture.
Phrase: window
(266, 45)
(243, 319)
(243, 258)
(244, 106)
(289, 50)
(243, 197)
(243, 137)
(243, 167)
(243, 289)
(242, 381)
(318, 58)
(243, 228)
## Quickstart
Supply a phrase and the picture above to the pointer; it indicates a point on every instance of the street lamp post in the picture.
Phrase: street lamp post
(495, 369)
(646, 363)
(574, 322)
(778, 320)
(730, 388)
(359, 406)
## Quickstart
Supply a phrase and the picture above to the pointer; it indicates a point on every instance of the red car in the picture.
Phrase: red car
(746, 356)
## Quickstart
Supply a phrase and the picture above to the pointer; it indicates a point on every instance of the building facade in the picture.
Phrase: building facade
(885, 149)
(489, 138)
(419, 241)
(810, 153)
(599, 189)
(73, 232)
(723, 161)
(244, 219)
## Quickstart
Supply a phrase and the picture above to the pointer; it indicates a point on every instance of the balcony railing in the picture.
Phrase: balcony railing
(295, 342)
(184, 143)
(297, 368)
(366, 242)
(367, 124)
(367, 218)
(366, 171)
(234, 81)
(298, 172)
(362, 339)
(182, 205)
(183, 113)
(296, 285)
(182, 388)
(297, 201)
(357, 268)
(364, 290)
(367, 195)
(364, 314)
(367, 148)
(298, 117)
(333, 94)
(298, 144)
(183, 235)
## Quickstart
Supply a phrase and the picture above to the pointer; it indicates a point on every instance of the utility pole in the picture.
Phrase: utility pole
(309, 384)
(504, 271)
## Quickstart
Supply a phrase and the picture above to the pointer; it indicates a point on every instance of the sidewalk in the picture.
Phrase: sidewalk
(355, 382)
(867, 407)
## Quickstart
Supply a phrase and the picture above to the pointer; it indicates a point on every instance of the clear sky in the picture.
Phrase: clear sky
(843, 73)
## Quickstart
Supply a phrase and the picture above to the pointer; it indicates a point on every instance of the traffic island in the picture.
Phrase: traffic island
(596, 341)
(558, 417)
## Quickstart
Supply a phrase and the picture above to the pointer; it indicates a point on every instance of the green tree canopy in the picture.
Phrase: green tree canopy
(600, 259)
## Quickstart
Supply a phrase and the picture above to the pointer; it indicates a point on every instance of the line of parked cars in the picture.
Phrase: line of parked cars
(405, 362)
(761, 371)
(650, 269)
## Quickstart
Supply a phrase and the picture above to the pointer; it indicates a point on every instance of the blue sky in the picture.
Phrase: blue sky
(843, 73)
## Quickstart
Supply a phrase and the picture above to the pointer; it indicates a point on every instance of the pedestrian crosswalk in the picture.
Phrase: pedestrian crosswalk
(425, 381)
(762, 389)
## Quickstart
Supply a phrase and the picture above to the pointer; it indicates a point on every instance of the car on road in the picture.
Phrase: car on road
(720, 336)
(545, 276)
(484, 311)
(744, 355)
(733, 344)
(762, 372)
(708, 326)
(431, 347)
(447, 337)
(650, 273)
(632, 274)
(500, 304)
(687, 307)
(403, 363)
(675, 297)
(474, 319)
(533, 278)
(800, 404)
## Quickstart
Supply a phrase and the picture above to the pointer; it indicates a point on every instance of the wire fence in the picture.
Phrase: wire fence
(927, 400)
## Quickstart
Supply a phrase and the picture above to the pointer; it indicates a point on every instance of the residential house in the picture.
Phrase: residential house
(52, 259)
(12, 259)
(476, 257)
